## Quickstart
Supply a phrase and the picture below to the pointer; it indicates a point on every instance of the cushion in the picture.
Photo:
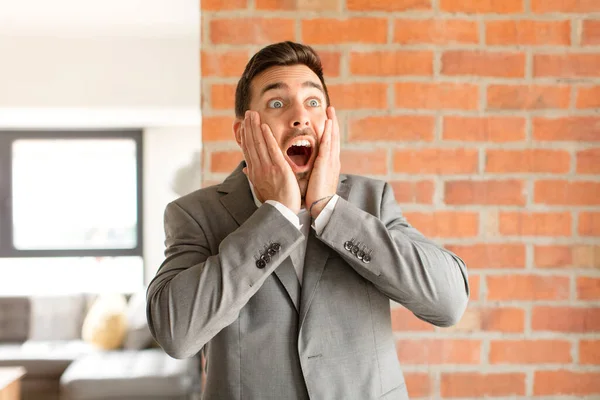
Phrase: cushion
(138, 333)
(105, 324)
(43, 359)
(14, 319)
(57, 317)
(128, 374)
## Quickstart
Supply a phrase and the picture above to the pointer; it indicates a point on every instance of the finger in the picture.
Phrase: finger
(249, 141)
(335, 137)
(272, 146)
(245, 149)
(258, 140)
(325, 145)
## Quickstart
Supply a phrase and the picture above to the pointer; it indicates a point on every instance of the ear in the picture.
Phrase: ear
(238, 126)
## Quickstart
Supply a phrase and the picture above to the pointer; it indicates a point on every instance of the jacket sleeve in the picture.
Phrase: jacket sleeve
(194, 294)
(407, 267)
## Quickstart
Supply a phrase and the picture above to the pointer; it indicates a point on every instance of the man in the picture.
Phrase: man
(283, 274)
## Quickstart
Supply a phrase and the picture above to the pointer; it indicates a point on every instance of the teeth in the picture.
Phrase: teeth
(304, 143)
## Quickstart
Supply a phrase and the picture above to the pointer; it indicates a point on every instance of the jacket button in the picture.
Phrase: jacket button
(360, 255)
(261, 264)
(355, 249)
(348, 245)
(266, 258)
(366, 259)
(276, 246)
(271, 252)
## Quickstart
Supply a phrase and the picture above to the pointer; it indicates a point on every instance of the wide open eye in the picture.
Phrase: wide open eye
(314, 103)
(275, 104)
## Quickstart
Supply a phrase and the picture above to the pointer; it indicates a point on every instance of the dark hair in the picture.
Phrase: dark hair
(278, 54)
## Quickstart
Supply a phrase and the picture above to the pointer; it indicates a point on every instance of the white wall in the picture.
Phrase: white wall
(99, 72)
(58, 75)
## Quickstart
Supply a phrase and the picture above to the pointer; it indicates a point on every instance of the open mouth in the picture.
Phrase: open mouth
(299, 152)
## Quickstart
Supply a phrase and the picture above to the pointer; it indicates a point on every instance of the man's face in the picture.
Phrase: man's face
(291, 101)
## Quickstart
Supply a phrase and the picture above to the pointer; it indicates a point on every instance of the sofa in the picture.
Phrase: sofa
(44, 335)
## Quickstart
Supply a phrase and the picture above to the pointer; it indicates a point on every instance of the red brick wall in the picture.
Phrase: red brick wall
(484, 115)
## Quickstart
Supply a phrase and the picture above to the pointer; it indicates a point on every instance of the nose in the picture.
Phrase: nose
(299, 117)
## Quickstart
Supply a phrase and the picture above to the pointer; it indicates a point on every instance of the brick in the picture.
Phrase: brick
(358, 95)
(528, 97)
(217, 129)
(435, 31)
(484, 129)
(527, 287)
(588, 288)
(567, 256)
(338, 31)
(418, 384)
(225, 161)
(566, 319)
(403, 128)
(477, 385)
(588, 161)
(445, 223)
(439, 351)
(483, 63)
(391, 63)
(563, 382)
(528, 161)
(223, 64)
(490, 319)
(510, 192)
(566, 193)
(251, 30)
(491, 256)
(534, 223)
(566, 6)
(404, 320)
(567, 128)
(552, 256)
(537, 351)
(222, 96)
(589, 352)
(386, 5)
(300, 5)
(474, 286)
(482, 6)
(222, 5)
(419, 192)
(590, 35)
(526, 32)
(586, 256)
(566, 65)
(331, 61)
(589, 223)
(436, 161)
(434, 96)
(588, 97)
(372, 162)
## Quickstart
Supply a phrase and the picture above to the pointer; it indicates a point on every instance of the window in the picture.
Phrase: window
(70, 211)
(70, 194)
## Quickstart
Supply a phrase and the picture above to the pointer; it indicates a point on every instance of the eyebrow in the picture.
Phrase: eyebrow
(281, 85)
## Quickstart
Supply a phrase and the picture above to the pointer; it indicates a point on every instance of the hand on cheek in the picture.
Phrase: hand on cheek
(270, 174)
(326, 170)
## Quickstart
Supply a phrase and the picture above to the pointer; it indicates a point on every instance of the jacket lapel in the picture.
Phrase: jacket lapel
(315, 260)
(240, 204)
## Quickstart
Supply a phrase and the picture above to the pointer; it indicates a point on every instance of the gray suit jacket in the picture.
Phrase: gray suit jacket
(266, 337)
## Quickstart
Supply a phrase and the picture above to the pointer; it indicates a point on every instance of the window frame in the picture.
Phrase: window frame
(8, 137)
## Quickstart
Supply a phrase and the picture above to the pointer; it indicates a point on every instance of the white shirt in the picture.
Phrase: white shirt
(302, 222)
